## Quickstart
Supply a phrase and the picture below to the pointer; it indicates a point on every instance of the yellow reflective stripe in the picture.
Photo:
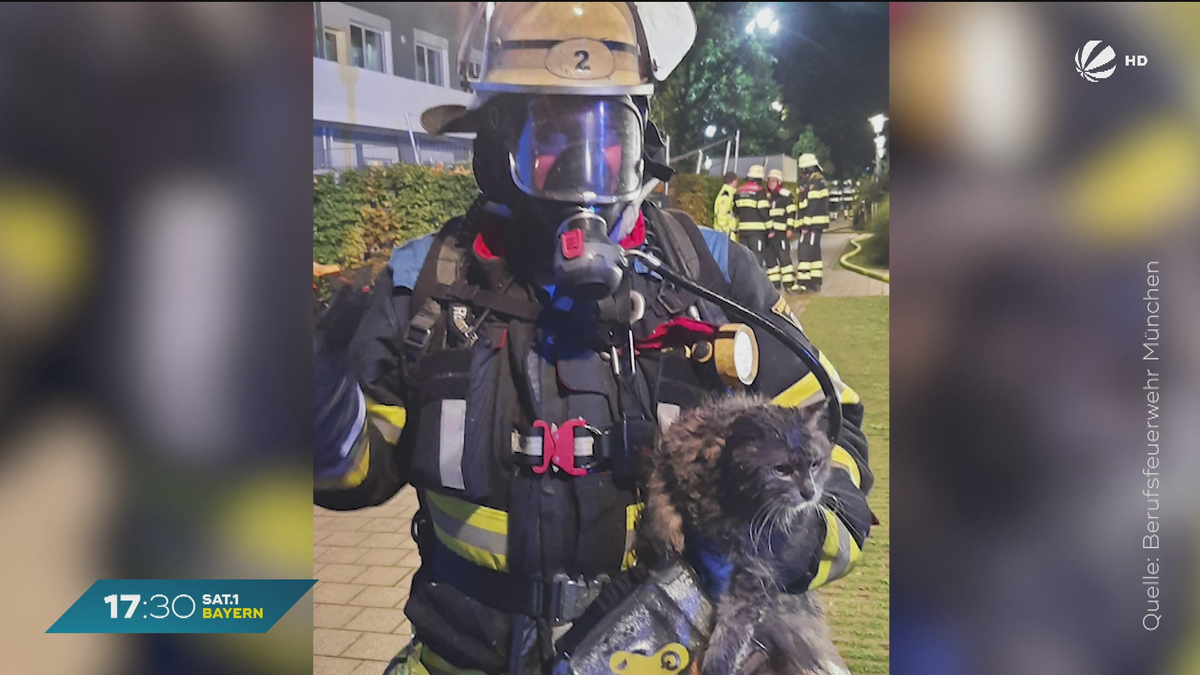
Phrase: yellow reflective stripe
(432, 664)
(847, 395)
(492, 520)
(764, 204)
(489, 525)
(818, 194)
(842, 458)
(808, 389)
(633, 513)
(820, 220)
(797, 394)
(356, 475)
(829, 550)
(388, 419)
(747, 202)
(777, 212)
(750, 225)
(838, 560)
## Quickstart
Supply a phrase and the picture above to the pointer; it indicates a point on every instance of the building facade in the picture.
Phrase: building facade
(376, 67)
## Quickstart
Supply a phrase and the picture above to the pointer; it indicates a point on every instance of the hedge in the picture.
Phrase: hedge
(360, 215)
(876, 249)
(695, 194)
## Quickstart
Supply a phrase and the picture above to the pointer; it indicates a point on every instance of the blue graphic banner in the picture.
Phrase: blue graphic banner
(182, 606)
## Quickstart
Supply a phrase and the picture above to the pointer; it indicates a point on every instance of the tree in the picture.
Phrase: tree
(726, 80)
(810, 142)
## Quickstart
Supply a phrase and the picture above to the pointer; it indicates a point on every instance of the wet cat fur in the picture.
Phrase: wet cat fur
(749, 475)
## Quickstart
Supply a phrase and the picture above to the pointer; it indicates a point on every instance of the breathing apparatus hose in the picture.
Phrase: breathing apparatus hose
(799, 346)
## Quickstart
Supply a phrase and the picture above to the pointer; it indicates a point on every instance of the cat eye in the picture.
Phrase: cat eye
(783, 470)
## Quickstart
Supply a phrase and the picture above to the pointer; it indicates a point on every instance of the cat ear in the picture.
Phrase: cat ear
(746, 426)
(816, 416)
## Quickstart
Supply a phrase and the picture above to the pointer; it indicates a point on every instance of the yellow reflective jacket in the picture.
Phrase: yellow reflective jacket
(723, 218)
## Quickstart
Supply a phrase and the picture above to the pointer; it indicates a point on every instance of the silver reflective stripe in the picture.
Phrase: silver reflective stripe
(469, 534)
(454, 420)
(842, 560)
(359, 421)
(532, 445)
(667, 413)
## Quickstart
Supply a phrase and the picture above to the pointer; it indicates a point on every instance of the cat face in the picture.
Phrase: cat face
(779, 458)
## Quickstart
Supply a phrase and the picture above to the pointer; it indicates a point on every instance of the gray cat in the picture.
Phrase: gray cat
(743, 478)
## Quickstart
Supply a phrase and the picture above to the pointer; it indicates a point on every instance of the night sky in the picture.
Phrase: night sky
(833, 69)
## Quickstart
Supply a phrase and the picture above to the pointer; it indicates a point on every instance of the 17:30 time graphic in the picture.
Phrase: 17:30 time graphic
(181, 606)
(168, 606)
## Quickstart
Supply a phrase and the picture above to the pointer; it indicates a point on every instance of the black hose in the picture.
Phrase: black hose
(800, 346)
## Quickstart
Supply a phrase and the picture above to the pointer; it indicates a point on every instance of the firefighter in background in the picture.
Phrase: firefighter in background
(780, 269)
(796, 236)
(816, 219)
(848, 196)
(835, 200)
(724, 220)
(752, 209)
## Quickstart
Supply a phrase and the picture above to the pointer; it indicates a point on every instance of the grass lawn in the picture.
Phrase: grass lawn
(853, 332)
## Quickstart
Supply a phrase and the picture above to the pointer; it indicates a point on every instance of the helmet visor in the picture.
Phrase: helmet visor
(579, 149)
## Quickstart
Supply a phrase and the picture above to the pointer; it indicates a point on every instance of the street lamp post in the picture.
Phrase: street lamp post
(737, 148)
(877, 123)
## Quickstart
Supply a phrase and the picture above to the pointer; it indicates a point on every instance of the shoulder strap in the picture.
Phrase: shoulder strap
(687, 249)
(442, 267)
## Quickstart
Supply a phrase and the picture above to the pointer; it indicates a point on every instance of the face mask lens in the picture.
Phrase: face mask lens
(579, 149)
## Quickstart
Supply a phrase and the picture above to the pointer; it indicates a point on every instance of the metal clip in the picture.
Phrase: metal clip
(569, 598)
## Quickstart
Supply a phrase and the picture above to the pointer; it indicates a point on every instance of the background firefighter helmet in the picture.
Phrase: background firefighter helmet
(808, 161)
(776, 174)
(755, 171)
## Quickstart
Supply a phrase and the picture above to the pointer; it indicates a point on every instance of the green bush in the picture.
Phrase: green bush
(695, 194)
(360, 215)
(876, 249)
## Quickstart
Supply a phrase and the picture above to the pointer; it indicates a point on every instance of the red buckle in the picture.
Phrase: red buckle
(558, 446)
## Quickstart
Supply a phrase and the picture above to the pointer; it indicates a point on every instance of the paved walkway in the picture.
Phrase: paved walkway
(839, 281)
(364, 559)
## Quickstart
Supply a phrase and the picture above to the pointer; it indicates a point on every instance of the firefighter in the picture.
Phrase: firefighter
(798, 236)
(723, 217)
(752, 208)
(816, 218)
(780, 269)
(835, 200)
(509, 365)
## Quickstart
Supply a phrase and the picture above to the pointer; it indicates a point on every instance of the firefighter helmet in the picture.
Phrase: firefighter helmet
(808, 161)
(578, 48)
(756, 171)
(776, 174)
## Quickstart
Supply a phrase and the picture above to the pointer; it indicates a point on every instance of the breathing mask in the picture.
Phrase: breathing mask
(580, 160)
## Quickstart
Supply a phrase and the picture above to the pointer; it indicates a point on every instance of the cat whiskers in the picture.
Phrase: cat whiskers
(758, 523)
